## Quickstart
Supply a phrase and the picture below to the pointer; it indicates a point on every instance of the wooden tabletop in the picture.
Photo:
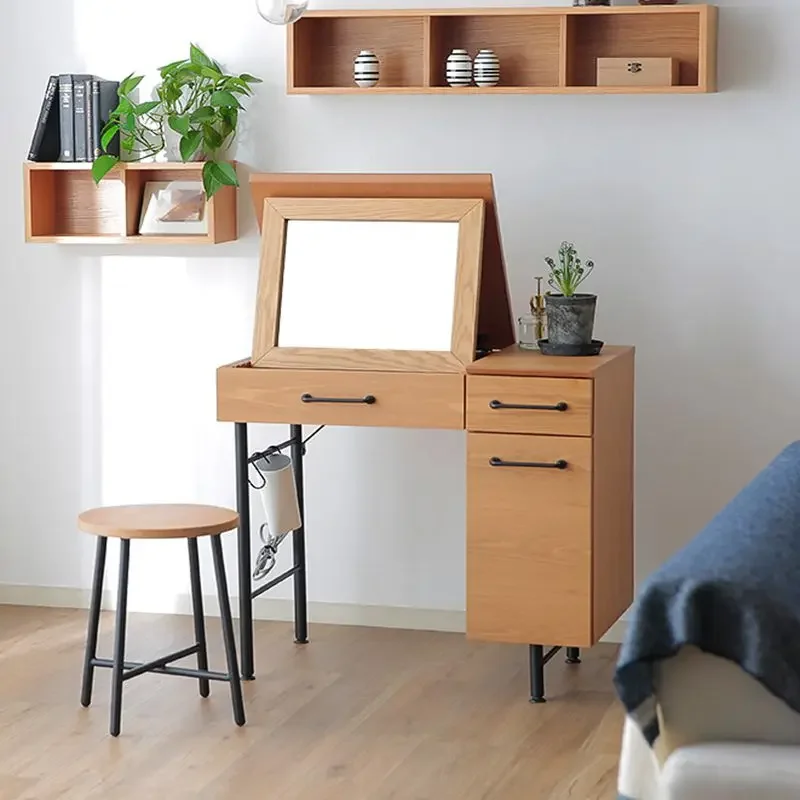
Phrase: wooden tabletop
(516, 361)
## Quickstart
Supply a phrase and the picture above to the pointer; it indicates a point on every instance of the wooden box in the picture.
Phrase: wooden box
(638, 72)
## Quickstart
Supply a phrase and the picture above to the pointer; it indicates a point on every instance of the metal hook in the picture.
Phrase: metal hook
(260, 475)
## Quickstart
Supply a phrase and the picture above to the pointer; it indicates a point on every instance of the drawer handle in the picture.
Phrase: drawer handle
(498, 462)
(367, 400)
(518, 407)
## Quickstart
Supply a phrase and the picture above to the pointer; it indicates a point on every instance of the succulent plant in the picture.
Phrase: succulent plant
(570, 273)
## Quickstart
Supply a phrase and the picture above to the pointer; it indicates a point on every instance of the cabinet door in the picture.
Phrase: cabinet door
(529, 561)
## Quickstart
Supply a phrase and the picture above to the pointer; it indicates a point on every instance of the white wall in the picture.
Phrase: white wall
(686, 203)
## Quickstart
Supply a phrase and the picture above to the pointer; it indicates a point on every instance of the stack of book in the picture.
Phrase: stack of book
(74, 111)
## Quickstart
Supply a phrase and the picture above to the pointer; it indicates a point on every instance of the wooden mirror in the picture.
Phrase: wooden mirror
(369, 283)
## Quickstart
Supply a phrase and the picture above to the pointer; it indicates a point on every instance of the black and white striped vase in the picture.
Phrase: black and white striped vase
(459, 68)
(487, 68)
(366, 69)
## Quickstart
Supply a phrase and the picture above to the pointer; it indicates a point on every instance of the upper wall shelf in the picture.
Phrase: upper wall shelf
(63, 205)
(541, 50)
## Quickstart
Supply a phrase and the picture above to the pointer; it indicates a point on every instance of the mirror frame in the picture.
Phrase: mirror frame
(469, 214)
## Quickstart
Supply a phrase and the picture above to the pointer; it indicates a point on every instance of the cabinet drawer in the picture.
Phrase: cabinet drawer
(320, 397)
(529, 559)
(529, 405)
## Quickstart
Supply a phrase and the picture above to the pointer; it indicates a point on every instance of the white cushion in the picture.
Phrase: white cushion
(732, 772)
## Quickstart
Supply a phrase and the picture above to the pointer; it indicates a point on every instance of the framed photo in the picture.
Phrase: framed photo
(175, 208)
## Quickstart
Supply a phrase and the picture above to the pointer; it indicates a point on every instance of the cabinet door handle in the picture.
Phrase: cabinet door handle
(367, 400)
(499, 462)
(520, 407)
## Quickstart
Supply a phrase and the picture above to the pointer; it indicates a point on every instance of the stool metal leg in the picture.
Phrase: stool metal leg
(197, 613)
(119, 638)
(573, 655)
(227, 631)
(94, 621)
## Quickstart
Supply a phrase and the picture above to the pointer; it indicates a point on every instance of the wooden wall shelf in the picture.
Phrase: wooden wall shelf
(541, 50)
(63, 205)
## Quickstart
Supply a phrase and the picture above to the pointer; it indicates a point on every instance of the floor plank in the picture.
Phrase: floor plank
(359, 714)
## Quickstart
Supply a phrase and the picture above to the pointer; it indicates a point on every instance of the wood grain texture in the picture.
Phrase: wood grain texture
(278, 210)
(323, 49)
(527, 45)
(707, 78)
(654, 72)
(634, 36)
(542, 50)
(403, 400)
(612, 492)
(63, 205)
(515, 361)
(529, 556)
(359, 714)
(270, 280)
(158, 521)
(575, 392)
(495, 322)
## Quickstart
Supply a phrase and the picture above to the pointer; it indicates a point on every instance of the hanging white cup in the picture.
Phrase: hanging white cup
(279, 494)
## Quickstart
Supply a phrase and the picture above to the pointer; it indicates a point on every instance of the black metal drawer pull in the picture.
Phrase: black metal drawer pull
(367, 400)
(516, 406)
(498, 462)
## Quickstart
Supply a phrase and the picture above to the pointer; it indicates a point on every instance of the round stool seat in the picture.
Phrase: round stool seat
(158, 521)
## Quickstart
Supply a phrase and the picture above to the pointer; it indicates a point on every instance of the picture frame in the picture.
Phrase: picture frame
(174, 208)
(459, 348)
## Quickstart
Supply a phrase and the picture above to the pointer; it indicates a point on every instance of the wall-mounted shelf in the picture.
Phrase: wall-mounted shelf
(63, 205)
(541, 50)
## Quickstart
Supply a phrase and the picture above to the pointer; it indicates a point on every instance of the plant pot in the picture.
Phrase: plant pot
(570, 320)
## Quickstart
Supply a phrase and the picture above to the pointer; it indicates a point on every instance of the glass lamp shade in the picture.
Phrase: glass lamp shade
(281, 12)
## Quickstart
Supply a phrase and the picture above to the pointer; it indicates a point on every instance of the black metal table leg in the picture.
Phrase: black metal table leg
(119, 638)
(573, 655)
(299, 542)
(536, 655)
(245, 582)
(227, 631)
(94, 621)
(197, 614)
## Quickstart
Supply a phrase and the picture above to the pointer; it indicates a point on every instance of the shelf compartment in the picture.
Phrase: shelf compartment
(63, 205)
(652, 35)
(527, 45)
(322, 50)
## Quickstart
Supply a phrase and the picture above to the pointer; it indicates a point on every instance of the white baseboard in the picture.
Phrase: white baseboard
(272, 609)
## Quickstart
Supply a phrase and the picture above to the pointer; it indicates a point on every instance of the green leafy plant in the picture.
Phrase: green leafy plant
(197, 100)
(570, 273)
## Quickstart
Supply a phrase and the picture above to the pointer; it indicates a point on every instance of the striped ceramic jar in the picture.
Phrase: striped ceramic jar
(459, 68)
(487, 68)
(366, 69)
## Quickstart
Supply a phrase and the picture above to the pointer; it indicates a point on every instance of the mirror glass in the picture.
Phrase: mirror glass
(369, 285)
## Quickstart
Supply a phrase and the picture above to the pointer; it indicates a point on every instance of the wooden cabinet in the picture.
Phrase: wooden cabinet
(550, 506)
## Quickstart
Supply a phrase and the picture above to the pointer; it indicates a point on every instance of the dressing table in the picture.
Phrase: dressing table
(549, 440)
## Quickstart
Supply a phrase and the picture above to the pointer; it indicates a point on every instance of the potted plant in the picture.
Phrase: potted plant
(193, 117)
(570, 314)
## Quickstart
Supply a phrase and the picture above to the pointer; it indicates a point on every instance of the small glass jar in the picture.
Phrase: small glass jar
(527, 328)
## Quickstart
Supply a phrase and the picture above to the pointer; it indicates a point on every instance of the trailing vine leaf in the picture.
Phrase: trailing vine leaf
(146, 108)
(198, 57)
(203, 114)
(189, 144)
(128, 84)
(224, 99)
(109, 133)
(179, 123)
(102, 165)
(212, 139)
(217, 174)
(250, 78)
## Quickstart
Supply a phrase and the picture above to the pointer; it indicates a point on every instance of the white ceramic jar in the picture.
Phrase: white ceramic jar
(459, 68)
(487, 68)
(366, 69)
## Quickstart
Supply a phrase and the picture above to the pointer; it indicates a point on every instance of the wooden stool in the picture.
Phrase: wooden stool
(159, 522)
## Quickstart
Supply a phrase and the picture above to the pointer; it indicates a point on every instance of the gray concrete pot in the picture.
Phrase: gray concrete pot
(570, 320)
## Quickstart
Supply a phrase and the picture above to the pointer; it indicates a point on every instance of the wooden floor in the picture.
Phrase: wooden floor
(358, 714)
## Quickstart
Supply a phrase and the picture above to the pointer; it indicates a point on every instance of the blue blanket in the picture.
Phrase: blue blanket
(734, 592)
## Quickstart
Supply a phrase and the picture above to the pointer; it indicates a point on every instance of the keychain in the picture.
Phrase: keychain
(265, 560)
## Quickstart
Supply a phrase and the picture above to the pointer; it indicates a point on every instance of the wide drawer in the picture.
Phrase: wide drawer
(321, 397)
(529, 533)
(529, 405)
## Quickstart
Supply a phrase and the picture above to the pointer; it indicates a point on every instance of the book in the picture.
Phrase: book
(46, 141)
(93, 120)
(67, 138)
(107, 101)
(79, 117)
